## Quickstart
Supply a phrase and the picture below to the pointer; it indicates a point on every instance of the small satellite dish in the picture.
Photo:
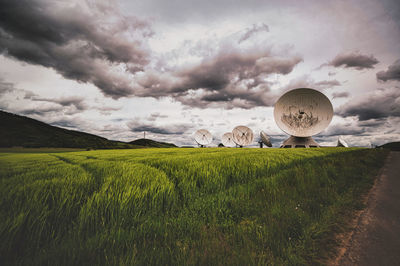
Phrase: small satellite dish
(203, 137)
(371, 145)
(242, 135)
(302, 113)
(227, 140)
(342, 143)
(265, 139)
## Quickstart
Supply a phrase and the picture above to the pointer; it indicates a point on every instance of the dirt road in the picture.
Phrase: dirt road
(376, 239)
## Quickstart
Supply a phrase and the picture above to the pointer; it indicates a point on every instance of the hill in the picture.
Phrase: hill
(394, 146)
(21, 131)
(152, 143)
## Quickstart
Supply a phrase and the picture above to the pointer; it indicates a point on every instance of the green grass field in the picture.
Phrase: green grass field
(180, 206)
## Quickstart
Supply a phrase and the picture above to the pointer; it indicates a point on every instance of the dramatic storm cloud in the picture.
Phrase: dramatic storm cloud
(392, 73)
(381, 103)
(117, 68)
(114, 58)
(85, 41)
(354, 60)
(344, 129)
(233, 78)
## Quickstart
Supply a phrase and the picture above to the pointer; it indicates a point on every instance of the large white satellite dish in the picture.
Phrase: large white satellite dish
(227, 140)
(242, 135)
(265, 139)
(203, 137)
(302, 113)
(342, 143)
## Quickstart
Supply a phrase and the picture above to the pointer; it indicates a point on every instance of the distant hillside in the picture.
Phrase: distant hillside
(152, 143)
(21, 131)
(394, 146)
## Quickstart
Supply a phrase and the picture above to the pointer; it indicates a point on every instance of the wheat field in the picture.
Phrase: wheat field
(212, 206)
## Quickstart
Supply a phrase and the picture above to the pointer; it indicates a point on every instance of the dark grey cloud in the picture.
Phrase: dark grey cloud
(343, 94)
(356, 127)
(231, 77)
(331, 74)
(247, 95)
(235, 79)
(91, 42)
(170, 129)
(353, 60)
(76, 101)
(372, 122)
(307, 82)
(40, 32)
(343, 129)
(362, 133)
(76, 123)
(249, 32)
(156, 116)
(392, 73)
(40, 110)
(108, 108)
(380, 104)
(84, 41)
(46, 107)
(29, 94)
(65, 123)
(6, 87)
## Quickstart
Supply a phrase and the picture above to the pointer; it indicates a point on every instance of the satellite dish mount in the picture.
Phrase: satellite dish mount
(265, 139)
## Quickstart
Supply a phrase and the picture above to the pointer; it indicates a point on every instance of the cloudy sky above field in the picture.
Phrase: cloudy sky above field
(118, 68)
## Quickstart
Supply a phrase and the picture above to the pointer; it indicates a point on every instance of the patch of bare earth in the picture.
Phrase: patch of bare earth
(374, 238)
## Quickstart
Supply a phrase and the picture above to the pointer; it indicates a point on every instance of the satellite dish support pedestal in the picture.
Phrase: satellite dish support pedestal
(300, 142)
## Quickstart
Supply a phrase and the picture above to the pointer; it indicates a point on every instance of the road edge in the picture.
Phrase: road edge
(345, 238)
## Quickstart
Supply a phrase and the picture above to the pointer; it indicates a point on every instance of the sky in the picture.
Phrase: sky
(168, 68)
